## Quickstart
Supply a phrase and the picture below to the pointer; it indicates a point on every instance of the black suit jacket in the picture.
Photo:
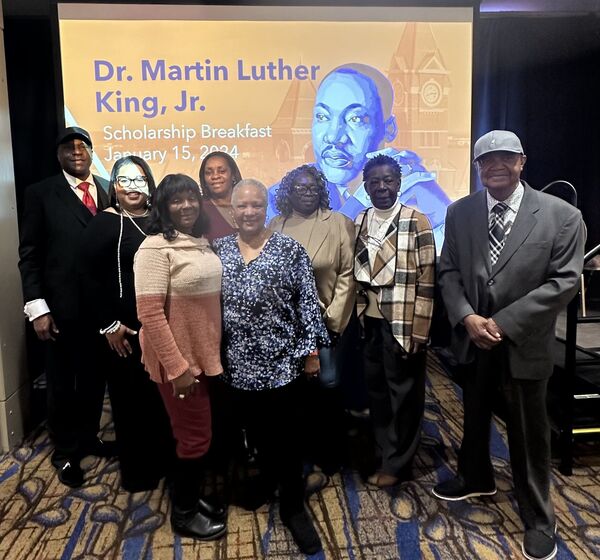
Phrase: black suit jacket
(535, 277)
(52, 223)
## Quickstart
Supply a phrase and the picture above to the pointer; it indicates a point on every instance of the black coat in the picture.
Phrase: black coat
(52, 224)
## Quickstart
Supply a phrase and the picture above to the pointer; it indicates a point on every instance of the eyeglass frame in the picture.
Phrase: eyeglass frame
(305, 189)
(129, 180)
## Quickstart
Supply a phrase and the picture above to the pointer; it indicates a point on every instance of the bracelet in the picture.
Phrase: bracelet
(112, 328)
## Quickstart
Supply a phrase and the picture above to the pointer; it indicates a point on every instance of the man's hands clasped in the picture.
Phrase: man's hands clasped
(484, 333)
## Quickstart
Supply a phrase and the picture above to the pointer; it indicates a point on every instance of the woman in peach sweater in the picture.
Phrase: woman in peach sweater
(178, 290)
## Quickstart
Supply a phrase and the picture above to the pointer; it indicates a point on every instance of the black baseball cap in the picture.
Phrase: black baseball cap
(73, 132)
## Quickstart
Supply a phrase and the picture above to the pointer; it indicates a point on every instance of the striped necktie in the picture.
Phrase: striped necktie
(497, 232)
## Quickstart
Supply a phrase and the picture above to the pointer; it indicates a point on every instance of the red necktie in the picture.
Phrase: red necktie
(88, 199)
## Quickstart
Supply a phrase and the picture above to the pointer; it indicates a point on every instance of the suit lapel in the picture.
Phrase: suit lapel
(319, 233)
(524, 222)
(479, 216)
(102, 195)
(71, 201)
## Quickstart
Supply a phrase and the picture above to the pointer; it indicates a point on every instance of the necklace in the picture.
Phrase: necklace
(131, 216)
(124, 212)
(377, 226)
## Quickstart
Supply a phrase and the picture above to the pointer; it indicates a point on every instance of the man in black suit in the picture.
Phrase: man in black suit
(56, 211)
(511, 261)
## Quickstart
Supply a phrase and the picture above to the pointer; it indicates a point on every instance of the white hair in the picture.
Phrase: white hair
(250, 183)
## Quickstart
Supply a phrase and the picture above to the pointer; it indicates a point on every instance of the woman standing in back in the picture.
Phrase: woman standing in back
(218, 175)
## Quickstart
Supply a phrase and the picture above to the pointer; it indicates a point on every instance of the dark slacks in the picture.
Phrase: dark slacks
(75, 391)
(396, 387)
(528, 434)
(352, 378)
(272, 418)
(145, 442)
(323, 430)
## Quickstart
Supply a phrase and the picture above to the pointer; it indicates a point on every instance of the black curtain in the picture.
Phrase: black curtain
(32, 99)
(537, 77)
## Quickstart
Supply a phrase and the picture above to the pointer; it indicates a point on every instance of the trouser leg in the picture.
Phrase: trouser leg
(143, 433)
(406, 382)
(396, 384)
(379, 398)
(480, 381)
(90, 387)
(274, 423)
(329, 437)
(61, 370)
(529, 443)
(352, 375)
(190, 419)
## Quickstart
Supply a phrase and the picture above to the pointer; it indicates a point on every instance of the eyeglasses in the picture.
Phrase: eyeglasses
(306, 189)
(138, 181)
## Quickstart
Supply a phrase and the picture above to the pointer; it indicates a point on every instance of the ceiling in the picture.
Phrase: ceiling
(38, 8)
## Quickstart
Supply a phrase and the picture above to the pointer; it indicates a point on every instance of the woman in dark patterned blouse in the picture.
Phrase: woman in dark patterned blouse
(272, 328)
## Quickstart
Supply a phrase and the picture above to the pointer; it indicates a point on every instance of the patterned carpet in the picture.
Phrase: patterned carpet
(42, 519)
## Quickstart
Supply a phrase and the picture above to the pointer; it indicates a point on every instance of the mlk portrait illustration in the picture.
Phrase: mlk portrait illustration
(352, 121)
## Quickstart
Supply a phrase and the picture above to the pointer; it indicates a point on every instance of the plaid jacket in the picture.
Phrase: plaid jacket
(403, 275)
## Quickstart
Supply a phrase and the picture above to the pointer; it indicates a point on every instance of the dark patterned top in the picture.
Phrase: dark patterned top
(271, 315)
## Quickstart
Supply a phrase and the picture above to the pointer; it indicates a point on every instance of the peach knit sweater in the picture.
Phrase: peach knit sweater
(178, 293)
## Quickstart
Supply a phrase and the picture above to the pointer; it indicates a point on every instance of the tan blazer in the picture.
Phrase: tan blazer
(331, 251)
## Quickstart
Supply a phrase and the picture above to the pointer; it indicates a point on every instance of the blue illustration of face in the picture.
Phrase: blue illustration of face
(347, 124)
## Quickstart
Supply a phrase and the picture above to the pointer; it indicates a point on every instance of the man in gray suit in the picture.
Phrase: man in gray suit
(510, 263)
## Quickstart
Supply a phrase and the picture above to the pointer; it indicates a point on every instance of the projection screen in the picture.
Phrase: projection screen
(174, 83)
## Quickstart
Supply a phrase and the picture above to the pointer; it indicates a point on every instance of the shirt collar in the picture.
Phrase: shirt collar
(513, 201)
(74, 182)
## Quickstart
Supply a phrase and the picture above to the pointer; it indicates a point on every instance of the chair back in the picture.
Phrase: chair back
(591, 259)
(562, 189)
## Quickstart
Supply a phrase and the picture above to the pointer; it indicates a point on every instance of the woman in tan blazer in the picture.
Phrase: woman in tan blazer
(328, 237)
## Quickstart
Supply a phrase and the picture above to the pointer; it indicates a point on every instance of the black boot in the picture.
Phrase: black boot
(212, 507)
(192, 523)
(186, 517)
(304, 532)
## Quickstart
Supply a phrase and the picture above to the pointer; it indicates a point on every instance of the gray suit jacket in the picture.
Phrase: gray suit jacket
(536, 275)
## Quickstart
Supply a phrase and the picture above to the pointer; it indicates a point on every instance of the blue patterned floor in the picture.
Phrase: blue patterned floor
(42, 519)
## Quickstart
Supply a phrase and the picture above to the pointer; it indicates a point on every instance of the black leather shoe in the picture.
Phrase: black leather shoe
(71, 475)
(196, 525)
(538, 545)
(59, 458)
(457, 489)
(211, 508)
(304, 532)
(100, 448)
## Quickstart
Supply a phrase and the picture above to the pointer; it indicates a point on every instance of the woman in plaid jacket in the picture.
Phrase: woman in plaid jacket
(394, 262)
